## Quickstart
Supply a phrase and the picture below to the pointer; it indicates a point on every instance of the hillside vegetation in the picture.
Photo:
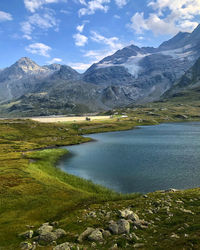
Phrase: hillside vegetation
(33, 191)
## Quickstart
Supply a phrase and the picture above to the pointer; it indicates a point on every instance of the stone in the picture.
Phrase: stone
(85, 234)
(175, 236)
(123, 226)
(63, 246)
(47, 237)
(54, 223)
(133, 217)
(26, 245)
(27, 235)
(106, 233)
(45, 228)
(125, 213)
(60, 233)
(96, 235)
(114, 247)
(113, 227)
(186, 211)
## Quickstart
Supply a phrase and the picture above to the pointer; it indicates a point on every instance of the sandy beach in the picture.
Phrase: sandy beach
(68, 118)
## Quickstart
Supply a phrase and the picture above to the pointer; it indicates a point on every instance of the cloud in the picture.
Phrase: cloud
(167, 17)
(4, 16)
(80, 28)
(36, 21)
(93, 5)
(113, 42)
(38, 49)
(80, 40)
(55, 60)
(111, 45)
(117, 17)
(33, 5)
(80, 66)
(121, 3)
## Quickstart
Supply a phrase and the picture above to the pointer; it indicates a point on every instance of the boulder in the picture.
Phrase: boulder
(60, 233)
(113, 227)
(64, 246)
(26, 245)
(96, 235)
(123, 226)
(45, 228)
(46, 238)
(85, 234)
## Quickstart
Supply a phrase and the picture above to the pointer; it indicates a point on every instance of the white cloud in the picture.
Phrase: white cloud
(38, 49)
(117, 17)
(180, 17)
(79, 66)
(33, 5)
(4, 16)
(80, 40)
(55, 60)
(36, 21)
(113, 42)
(93, 5)
(111, 45)
(80, 28)
(121, 3)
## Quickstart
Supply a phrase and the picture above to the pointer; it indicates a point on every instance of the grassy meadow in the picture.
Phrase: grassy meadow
(33, 190)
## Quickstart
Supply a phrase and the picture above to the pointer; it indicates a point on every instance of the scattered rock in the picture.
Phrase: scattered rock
(27, 235)
(26, 246)
(45, 228)
(114, 247)
(60, 233)
(186, 211)
(96, 235)
(46, 238)
(66, 246)
(85, 234)
(106, 234)
(123, 226)
(175, 236)
(113, 227)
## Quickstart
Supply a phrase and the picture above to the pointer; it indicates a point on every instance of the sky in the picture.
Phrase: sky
(81, 32)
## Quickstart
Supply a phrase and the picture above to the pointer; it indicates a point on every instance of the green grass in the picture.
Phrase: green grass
(33, 190)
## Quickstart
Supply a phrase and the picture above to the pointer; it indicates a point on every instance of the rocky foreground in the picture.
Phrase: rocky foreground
(126, 228)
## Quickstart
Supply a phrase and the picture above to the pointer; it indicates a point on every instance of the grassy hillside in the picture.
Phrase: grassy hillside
(34, 191)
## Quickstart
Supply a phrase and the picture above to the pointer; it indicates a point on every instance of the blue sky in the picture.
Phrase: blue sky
(81, 32)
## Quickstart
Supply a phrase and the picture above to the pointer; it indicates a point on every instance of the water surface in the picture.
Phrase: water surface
(140, 160)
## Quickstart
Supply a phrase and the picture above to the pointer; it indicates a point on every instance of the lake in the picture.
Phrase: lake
(141, 160)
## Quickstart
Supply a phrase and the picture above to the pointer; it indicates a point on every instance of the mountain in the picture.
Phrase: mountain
(188, 84)
(151, 71)
(131, 75)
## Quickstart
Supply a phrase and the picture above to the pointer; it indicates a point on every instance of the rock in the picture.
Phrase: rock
(54, 223)
(134, 236)
(93, 244)
(171, 190)
(47, 237)
(123, 226)
(106, 233)
(186, 211)
(175, 236)
(133, 217)
(26, 245)
(45, 228)
(125, 213)
(85, 234)
(96, 235)
(64, 246)
(60, 233)
(113, 227)
(27, 235)
(114, 247)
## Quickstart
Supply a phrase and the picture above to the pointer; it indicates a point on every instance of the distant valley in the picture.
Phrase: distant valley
(130, 76)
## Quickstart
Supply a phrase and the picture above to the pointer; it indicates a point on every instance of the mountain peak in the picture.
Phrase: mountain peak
(26, 64)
